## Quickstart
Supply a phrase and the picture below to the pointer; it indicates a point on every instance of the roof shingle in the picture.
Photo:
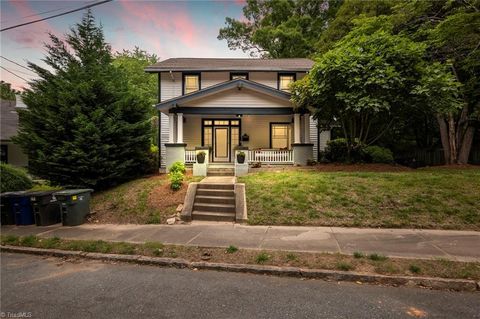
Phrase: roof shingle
(228, 64)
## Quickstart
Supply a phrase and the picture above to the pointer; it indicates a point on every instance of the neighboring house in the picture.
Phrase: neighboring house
(226, 103)
(11, 153)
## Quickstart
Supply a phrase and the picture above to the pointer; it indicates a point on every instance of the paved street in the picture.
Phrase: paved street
(51, 288)
(413, 243)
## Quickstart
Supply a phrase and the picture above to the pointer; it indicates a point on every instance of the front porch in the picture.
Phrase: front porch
(265, 139)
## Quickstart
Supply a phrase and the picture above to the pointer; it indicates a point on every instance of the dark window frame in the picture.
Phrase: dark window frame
(232, 74)
(270, 131)
(5, 148)
(280, 74)
(229, 125)
(184, 74)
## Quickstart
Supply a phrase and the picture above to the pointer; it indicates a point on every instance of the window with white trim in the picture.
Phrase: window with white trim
(280, 135)
(284, 81)
(191, 83)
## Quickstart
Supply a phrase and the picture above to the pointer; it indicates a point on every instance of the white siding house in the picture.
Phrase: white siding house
(224, 104)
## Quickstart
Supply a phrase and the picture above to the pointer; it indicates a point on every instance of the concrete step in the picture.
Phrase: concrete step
(220, 174)
(224, 208)
(213, 216)
(215, 199)
(215, 192)
(215, 186)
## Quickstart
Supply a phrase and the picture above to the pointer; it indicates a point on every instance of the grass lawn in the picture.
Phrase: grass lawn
(425, 198)
(147, 200)
(373, 263)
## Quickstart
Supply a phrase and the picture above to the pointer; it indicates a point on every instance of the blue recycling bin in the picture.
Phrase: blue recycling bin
(22, 208)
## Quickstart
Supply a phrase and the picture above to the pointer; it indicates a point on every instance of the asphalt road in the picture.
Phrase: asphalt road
(54, 288)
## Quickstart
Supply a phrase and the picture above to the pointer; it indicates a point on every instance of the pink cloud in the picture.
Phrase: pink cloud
(30, 36)
(165, 17)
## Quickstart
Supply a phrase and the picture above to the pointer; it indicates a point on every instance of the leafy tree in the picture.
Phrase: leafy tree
(451, 29)
(6, 91)
(343, 22)
(279, 28)
(369, 81)
(85, 124)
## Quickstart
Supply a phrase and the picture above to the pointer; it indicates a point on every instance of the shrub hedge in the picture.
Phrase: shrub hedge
(13, 179)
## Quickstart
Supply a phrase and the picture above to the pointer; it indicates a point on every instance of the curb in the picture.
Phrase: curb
(328, 275)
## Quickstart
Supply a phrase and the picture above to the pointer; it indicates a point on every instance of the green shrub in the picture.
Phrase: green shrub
(13, 179)
(414, 269)
(358, 254)
(344, 266)
(378, 154)
(337, 151)
(262, 257)
(176, 180)
(177, 167)
(231, 249)
(377, 257)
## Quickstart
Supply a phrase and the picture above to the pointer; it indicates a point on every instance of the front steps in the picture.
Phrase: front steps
(214, 202)
(220, 171)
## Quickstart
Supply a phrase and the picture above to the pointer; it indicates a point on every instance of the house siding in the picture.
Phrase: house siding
(324, 138)
(314, 137)
(240, 98)
(163, 137)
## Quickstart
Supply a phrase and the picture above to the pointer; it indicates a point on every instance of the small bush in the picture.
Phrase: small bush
(262, 257)
(358, 255)
(377, 154)
(176, 180)
(414, 269)
(377, 257)
(337, 151)
(345, 266)
(231, 249)
(51, 242)
(10, 240)
(13, 179)
(155, 248)
(177, 167)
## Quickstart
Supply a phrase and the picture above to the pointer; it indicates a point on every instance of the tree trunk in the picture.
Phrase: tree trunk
(444, 137)
(466, 145)
(452, 139)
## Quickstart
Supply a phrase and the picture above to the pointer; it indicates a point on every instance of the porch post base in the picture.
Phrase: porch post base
(241, 169)
(175, 152)
(302, 152)
(199, 169)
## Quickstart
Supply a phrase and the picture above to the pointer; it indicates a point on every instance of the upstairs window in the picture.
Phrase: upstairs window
(284, 81)
(234, 76)
(191, 83)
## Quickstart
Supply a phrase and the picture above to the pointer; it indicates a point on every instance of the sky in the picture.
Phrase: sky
(166, 28)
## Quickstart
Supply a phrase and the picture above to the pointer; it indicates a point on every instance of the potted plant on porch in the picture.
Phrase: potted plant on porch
(201, 157)
(241, 157)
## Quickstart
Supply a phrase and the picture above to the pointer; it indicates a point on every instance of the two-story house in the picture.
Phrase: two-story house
(226, 103)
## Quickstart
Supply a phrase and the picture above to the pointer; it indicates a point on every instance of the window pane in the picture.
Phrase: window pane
(207, 122)
(234, 137)
(239, 76)
(285, 81)
(191, 83)
(221, 122)
(207, 137)
(234, 123)
(280, 136)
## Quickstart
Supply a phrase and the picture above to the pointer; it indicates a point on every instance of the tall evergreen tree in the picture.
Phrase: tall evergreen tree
(85, 125)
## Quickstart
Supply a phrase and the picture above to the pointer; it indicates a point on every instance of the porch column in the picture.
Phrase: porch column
(179, 127)
(296, 128)
(306, 123)
(171, 128)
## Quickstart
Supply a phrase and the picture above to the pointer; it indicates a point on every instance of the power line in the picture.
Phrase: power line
(1, 56)
(56, 15)
(18, 76)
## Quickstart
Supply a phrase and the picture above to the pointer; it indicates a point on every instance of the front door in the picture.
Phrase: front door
(220, 147)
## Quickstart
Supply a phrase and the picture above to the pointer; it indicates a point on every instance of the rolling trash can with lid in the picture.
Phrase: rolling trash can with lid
(46, 208)
(75, 205)
(8, 216)
(22, 208)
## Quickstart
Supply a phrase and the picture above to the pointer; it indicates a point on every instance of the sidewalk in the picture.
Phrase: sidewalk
(409, 243)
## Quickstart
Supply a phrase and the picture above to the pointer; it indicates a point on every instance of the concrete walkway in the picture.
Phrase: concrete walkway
(409, 243)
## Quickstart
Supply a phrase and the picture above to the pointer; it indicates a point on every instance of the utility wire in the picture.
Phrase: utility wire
(56, 15)
(1, 56)
(18, 76)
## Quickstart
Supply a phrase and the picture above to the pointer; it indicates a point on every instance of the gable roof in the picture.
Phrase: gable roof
(221, 87)
(227, 64)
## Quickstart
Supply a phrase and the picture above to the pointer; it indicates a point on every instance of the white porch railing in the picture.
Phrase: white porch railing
(271, 156)
(190, 156)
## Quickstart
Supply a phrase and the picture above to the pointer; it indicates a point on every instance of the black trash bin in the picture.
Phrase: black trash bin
(75, 205)
(46, 208)
(7, 215)
(22, 208)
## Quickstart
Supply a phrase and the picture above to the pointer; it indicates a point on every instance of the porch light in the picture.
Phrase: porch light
(239, 115)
